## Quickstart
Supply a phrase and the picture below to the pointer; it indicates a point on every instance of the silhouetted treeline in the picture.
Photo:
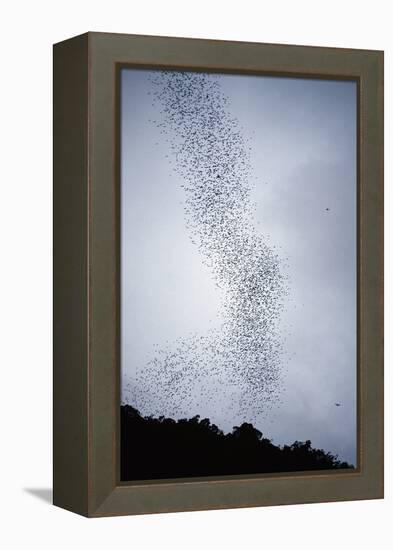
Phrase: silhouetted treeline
(162, 448)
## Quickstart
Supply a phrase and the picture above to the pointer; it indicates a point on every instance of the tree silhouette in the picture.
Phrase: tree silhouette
(162, 448)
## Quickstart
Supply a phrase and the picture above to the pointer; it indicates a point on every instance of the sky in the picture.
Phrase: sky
(301, 138)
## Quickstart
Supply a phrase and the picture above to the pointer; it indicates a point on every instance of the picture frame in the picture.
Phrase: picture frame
(86, 384)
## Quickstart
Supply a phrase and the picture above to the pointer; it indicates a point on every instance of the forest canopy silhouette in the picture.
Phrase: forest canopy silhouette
(163, 448)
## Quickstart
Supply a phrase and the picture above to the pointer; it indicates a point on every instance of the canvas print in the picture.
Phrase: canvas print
(238, 260)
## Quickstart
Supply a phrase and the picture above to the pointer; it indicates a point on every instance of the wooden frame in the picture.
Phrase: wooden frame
(86, 266)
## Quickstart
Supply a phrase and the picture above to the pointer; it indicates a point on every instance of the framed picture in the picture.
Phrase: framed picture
(218, 274)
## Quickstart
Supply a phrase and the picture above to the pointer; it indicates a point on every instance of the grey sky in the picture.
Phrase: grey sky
(303, 152)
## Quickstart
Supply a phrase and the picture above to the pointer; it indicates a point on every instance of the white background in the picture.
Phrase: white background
(27, 31)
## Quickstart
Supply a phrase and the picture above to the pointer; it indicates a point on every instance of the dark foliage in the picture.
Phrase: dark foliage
(162, 448)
